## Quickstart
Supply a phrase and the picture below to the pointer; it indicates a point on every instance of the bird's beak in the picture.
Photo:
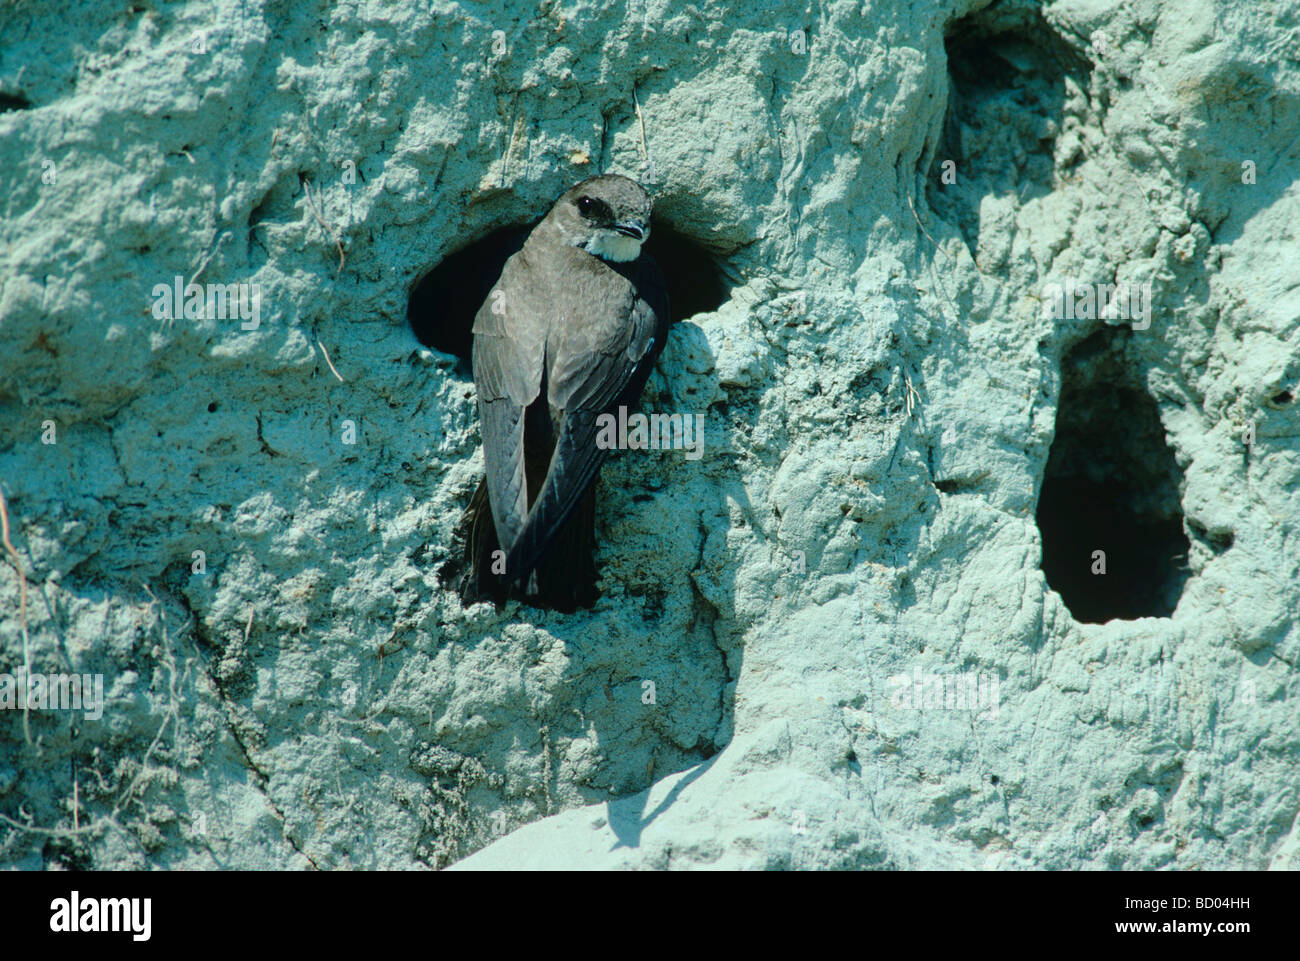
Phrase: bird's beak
(632, 228)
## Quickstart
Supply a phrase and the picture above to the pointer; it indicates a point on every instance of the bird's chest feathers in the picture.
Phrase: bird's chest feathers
(589, 301)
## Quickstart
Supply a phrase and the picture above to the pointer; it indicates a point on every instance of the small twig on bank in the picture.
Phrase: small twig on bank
(328, 361)
(645, 151)
(921, 227)
(329, 231)
(211, 253)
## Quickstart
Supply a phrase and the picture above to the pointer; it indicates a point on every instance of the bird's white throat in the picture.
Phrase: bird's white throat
(613, 246)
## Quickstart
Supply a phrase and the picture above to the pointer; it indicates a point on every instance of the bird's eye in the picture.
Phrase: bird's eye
(594, 210)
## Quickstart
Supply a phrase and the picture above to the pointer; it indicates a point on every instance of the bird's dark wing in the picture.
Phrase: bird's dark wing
(648, 280)
(607, 345)
(509, 358)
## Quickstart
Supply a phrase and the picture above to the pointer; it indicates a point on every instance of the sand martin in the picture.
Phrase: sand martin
(569, 332)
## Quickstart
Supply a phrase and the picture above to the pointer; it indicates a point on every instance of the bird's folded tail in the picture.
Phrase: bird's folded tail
(570, 469)
(565, 576)
(566, 572)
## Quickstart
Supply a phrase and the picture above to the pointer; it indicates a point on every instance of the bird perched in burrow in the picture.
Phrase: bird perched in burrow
(569, 332)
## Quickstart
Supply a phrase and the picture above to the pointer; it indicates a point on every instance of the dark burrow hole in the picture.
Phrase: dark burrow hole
(1006, 103)
(443, 303)
(13, 101)
(1111, 485)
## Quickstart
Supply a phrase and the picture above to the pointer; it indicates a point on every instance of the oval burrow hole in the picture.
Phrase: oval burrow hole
(444, 301)
(1009, 77)
(1109, 512)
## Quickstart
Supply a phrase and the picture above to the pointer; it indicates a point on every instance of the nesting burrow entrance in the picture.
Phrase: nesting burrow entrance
(443, 303)
(1010, 78)
(1109, 511)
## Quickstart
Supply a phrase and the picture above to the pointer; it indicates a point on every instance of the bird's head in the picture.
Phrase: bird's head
(607, 216)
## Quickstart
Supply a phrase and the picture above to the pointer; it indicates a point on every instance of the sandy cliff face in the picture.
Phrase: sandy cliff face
(829, 641)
